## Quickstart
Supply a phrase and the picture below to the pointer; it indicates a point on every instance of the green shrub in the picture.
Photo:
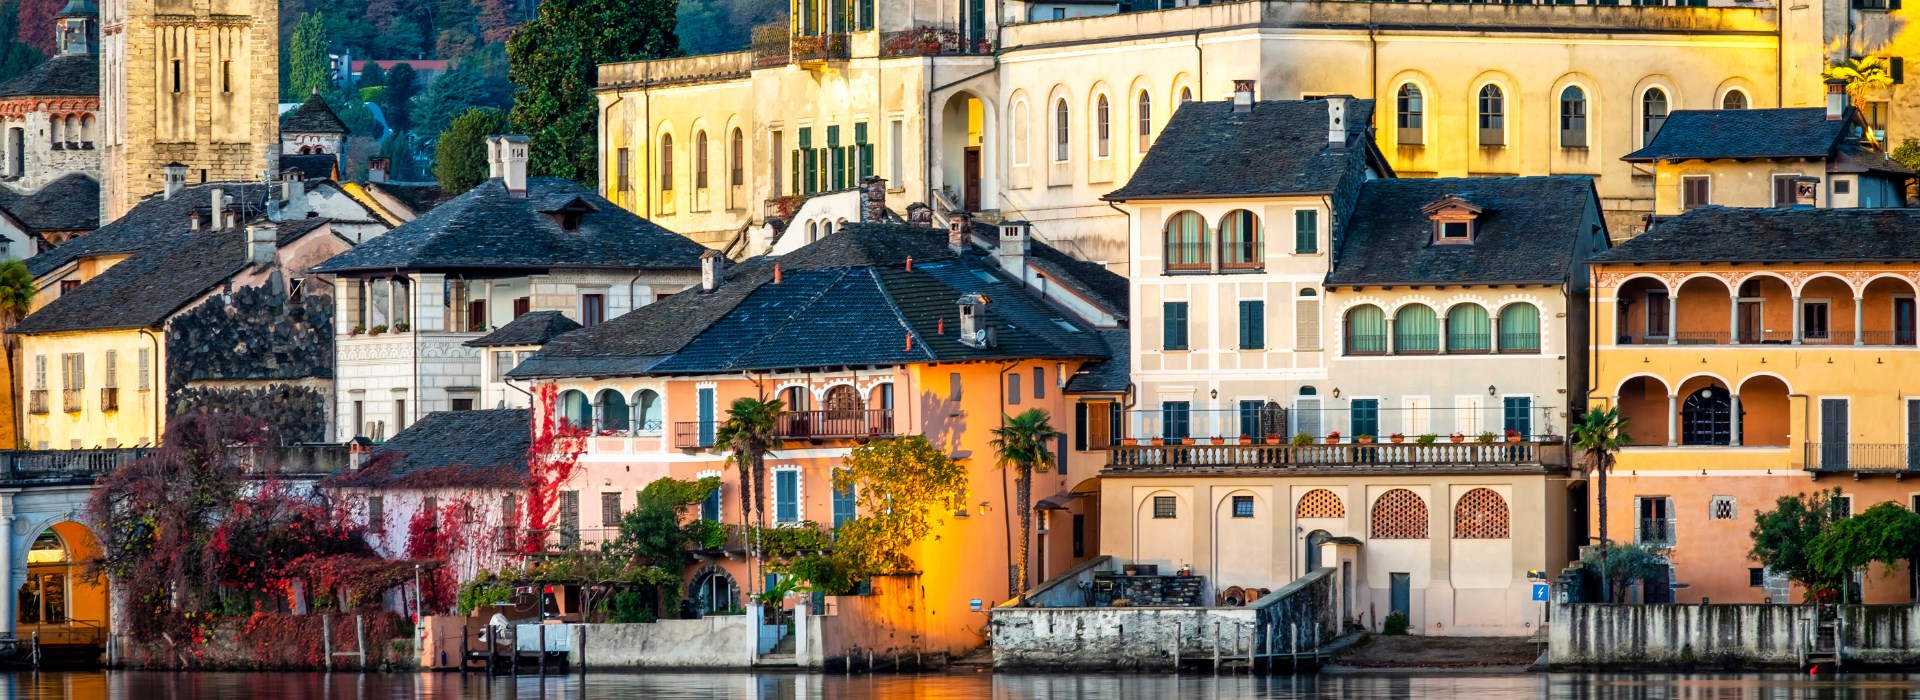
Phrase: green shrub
(1395, 624)
(631, 606)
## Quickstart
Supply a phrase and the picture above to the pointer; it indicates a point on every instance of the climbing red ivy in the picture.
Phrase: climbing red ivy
(552, 461)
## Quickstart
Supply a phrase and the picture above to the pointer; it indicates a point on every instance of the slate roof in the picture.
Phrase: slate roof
(313, 117)
(144, 290)
(1094, 281)
(1527, 231)
(66, 75)
(1796, 132)
(417, 196)
(489, 228)
(533, 328)
(1279, 147)
(1721, 234)
(1110, 376)
(71, 203)
(484, 447)
(312, 165)
(146, 225)
(847, 299)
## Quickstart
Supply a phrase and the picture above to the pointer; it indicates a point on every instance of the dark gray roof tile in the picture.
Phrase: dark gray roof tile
(533, 328)
(1279, 147)
(71, 203)
(1527, 231)
(447, 448)
(1721, 234)
(67, 75)
(313, 117)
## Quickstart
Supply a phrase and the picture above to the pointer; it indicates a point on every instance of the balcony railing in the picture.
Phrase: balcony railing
(1346, 455)
(694, 435)
(770, 44)
(1752, 337)
(820, 48)
(50, 465)
(37, 401)
(930, 40)
(71, 400)
(835, 424)
(1279, 424)
(1854, 457)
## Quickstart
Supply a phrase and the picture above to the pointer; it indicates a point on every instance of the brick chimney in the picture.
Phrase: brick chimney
(1836, 99)
(1337, 119)
(873, 200)
(377, 169)
(957, 233)
(1242, 95)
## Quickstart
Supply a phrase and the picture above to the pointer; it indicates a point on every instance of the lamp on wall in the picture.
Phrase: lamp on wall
(1490, 390)
(1336, 392)
(1214, 394)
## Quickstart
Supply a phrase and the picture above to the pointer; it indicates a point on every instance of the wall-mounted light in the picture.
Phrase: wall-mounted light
(1336, 392)
(1490, 390)
(1213, 394)
(986, 506)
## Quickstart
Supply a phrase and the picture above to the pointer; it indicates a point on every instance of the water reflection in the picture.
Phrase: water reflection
(342, 686)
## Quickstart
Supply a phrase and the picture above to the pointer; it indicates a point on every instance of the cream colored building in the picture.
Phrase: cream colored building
(1061, 112)
(186, 81)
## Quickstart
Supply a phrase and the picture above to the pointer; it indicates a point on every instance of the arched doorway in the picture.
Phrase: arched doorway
(713, 591)
(1706, 417)
(962, 160)
(1314, 540)
(56, 602)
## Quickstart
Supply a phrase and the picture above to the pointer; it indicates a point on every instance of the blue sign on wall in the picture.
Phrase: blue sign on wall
(1540, 592)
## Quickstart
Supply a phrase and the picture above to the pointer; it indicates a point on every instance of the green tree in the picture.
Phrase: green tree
(1885, 533)
(1784, 538)
(16, 299)
(306, 58)
(1908, 153)
(1021, 443)
(402, 85)
(402, 38)
(460, 153)
(900, 488)
(1622, 564)
(372, 75)
(554, 60)
(1599, 435)
(656, 534)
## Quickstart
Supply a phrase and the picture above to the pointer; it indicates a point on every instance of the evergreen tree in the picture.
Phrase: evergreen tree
(402, 85)
(372, 75)
(554, 60)
(460, 156)
(306, 58)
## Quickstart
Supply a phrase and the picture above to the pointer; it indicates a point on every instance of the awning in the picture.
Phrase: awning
(1058, 501)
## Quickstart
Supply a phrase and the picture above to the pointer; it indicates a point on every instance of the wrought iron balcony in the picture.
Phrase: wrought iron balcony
(1855, 457)
(694, 435)
(842, 424)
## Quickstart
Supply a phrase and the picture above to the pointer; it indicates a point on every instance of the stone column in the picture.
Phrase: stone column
(1796, 319)
(1734, 435)
(1673, 318)
(1673, 419)
(1393, 348)
(9, 593)
(1859, 332)
(1733, 320)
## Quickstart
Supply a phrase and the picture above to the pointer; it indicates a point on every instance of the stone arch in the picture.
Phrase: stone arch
(1593, 103)
(713, 590)
(1643, 399)
(1765, 406)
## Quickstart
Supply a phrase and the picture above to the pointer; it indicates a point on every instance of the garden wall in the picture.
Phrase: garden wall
(273, 642)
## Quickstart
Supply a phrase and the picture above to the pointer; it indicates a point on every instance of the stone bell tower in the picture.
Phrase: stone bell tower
(189, 81)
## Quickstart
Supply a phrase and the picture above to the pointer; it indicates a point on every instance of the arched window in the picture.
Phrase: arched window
(53, 131)
(1481, 515)
(1102, 135)
(1061, 134)
(880, 408)
(1020, 127)
(737, 160)
(1187, 245)
(1520, 328)
(48, 548)
(575, 409)
(1469, 329)
(1653, 113)
(1241, 244)
(700, 160)
(1366, 331)
(73, 128)
(86, 130)
(1706, 417)
(1186, 95)
(666, 162)
(651, 412)
(1320, 503)
(1416, 330)
(795, 398)
(1573, 117)
(1409, 115)
(1143, 119)
(613, 410)
(1493, 116)
(1399, 515)
(1734, 99)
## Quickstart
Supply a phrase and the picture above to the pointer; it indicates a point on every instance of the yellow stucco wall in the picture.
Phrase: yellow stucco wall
(134, 423)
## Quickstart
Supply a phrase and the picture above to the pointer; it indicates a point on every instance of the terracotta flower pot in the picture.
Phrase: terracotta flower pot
(1333, 439)
(1457, 438)
(1515, 438)
(1397, 439)
(1364, 440)
(1159, 441)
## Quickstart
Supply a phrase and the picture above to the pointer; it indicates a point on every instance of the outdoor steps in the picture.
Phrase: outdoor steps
(785, 660)
(784, 646)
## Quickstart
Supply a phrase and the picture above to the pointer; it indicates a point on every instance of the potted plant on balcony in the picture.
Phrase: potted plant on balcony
(1217, 440)
(357, 330)
(377, 330)
(1513, 435)
(1301, 439)
(402, 327)
(1426, 439)
(1397, 438)
(1333, 438)
(1186, 440)
(1159, 441)
(1485, 438)
(1363, 439)
(1273, 438)
(1457, 436)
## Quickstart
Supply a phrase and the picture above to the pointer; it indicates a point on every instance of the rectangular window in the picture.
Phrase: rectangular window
(522, 306)
(462, 404)
(1835, 438)
(1783, 190)
(226, 76)
(1657, 309)
(176, 76)
(804, 161)
(376, 514)
(1306, 232)
(1243, 506)
(359, 418)
(1013, 389)
(1757, 578)
(1079, 536)
(1039, 383)
(710, 506)
(896, 152)
(113, 369)
(146, 370)
(1693, 192)
(40, 372)
(1174, 325)
(1366, 417)
(569, 521)
(623, 182)
(1517, 413)
(1455, 230)
(1655, 521)
(593, 309)
(1253, 324)
(1842, 186)
(786, 496)
(836, 160)
(1814, 320)
(1250, 418)
(1176, 420)
(1306, 322)
(502, 364)
(610, 509)
(1165, 508)
(399, 415)
(843, 504)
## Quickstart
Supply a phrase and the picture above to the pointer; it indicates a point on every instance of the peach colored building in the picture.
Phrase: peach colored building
(875, 331)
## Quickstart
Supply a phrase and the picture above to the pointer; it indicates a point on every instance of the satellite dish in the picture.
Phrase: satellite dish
(502, 630)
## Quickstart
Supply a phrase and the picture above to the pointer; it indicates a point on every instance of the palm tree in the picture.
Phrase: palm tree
(1600, 434)
(1860, 72)
(16, 299)
(748, 437)
(1021, 443)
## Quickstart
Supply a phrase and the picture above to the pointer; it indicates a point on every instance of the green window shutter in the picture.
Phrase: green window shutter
(1306, 232)
(1080, 426)
(806, 137)
(794, 174)
(862, 166)
(833, 173)
(803, 163)
(813, 165)
(1174, 320)
(1253, 325)
(833, 136)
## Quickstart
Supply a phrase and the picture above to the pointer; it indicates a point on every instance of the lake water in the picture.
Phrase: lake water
(118, 685)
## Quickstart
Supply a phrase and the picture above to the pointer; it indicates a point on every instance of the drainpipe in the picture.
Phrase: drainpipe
(606, 124)
(1200, 71)
(158, 392)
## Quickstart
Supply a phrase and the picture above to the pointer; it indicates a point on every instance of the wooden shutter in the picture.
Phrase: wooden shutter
(1080, 426)
(1306, 324)
(1639, 519)
(1672, 533)
(1115, 428)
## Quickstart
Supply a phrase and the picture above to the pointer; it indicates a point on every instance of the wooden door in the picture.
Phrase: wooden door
(970, 199)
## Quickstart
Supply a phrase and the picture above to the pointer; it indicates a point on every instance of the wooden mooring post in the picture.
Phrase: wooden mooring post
(326, 640)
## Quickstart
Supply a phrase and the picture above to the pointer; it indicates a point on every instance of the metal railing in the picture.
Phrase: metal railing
(1880, 338)
(829, 424)
(694, 435)
(51, 465)
(1827, 456)
(931, 40)
(770, 44)
(1366, 344)
(1237, 425)
(819, 48)
(1444, 454)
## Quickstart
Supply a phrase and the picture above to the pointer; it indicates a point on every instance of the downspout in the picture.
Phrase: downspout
(607, 124)
(1200, 71)
(158, 391)
(1373, 60)
(413, 409)
(1006, 501)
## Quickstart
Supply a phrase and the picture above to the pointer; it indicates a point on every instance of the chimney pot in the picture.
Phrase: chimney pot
(710, 267)
(1836, 99)
(873, 198)
(957, 232)
(1016, 239)
(776, 273)
(494, 150)
(1337, 119)
(217, 210)
(176, 178)
(513, 164)
(1242, 95)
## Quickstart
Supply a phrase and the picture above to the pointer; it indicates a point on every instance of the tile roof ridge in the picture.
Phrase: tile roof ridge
(919, 342)
(803, 307)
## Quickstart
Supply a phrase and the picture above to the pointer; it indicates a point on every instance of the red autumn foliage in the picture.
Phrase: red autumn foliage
(36, 23)
(552, 461)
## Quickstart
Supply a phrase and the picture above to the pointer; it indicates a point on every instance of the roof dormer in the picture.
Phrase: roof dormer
(567, 215)
(1455, 220)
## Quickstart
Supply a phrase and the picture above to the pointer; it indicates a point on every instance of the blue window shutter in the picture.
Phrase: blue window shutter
(706, 417)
